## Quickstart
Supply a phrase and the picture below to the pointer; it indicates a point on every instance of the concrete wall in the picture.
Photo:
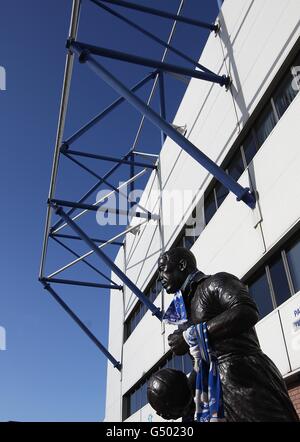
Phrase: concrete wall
(255, 39)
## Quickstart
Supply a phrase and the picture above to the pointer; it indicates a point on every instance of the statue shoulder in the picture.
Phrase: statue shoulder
(223, 277)
(221, 282)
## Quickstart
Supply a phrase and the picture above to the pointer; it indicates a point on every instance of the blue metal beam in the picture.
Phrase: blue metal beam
(101, 241)
(106, 111)
(115, 189)
(83, 260)
(131, 174)
(87, 169)
(156, 311)
(164, 14)
(108, 158)
(83, 48)
(91, 191)
(93, 208)
(81, 283)
(242, 193)
(83, 327)
(152, 36)
(162, 104)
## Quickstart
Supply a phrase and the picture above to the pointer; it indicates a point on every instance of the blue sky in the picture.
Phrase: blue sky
(50, 370)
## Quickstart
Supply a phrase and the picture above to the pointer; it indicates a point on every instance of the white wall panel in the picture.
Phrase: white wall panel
(229, 242)
(115, 341)
(255, 41)
(142, 349)
(271, 340)
(276, 169)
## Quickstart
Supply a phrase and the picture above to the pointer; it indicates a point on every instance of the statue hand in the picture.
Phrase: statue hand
(177, 343)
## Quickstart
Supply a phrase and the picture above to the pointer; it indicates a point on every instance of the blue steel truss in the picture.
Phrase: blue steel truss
(86, 54)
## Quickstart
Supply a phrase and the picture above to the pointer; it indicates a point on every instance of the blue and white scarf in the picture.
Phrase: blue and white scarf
(208, 395)
(176, 312)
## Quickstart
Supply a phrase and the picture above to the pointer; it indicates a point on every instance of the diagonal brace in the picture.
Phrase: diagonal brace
(85, 48)
(164, 14)
(241, 193)
(83, 260)
(124, 278)
(70, 312)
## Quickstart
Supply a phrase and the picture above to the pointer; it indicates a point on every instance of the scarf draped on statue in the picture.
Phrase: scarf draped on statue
(208, 393)
(176, 312)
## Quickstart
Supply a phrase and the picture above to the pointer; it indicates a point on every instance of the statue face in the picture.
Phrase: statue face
(171, 274)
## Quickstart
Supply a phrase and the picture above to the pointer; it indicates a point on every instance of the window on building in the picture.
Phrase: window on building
(293, 258)
(249, 148)
(279, 280)
(134, 401)
(260, 291)
(177, 363)
(236, 166)
(137, 397)
(140, 310)
(189, 241)
(210, 207)
(285, 94)
(221, 193)
(187, 363)
(144, 399)
(265, 124)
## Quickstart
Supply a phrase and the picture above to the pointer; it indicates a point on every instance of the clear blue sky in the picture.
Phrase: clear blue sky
(50, 370)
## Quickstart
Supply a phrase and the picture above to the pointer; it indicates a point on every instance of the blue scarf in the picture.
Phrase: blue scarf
(176, 312)
(208, 395)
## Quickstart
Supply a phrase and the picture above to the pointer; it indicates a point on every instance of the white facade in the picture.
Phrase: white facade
(255, 40)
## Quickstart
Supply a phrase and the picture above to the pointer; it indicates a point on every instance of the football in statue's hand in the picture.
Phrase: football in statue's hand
(169, 393)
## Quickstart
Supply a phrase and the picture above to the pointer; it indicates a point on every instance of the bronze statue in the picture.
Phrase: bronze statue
(252, 387)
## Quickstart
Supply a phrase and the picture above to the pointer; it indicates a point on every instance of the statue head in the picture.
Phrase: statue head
(174, 266)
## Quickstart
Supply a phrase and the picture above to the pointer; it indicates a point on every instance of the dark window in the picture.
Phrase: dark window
(260, 292)
(236, 166)
(265, 124)
(209, 206)
(133, 402)
(249, 148)
(144, 399)
(133, 321)
(179, 241)
(221, 193)
(187, 363)
(295, 69)
(126, 406)
(143, 310)
(140, 309)
(189, 241)
(293, 257)
(128, 329)
(169, 363)
(152, 296)
(285, 94)
(178, 363)
(279, 280)
(138, 314)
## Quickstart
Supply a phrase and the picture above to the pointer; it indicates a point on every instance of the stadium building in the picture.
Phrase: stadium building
(252, 131)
